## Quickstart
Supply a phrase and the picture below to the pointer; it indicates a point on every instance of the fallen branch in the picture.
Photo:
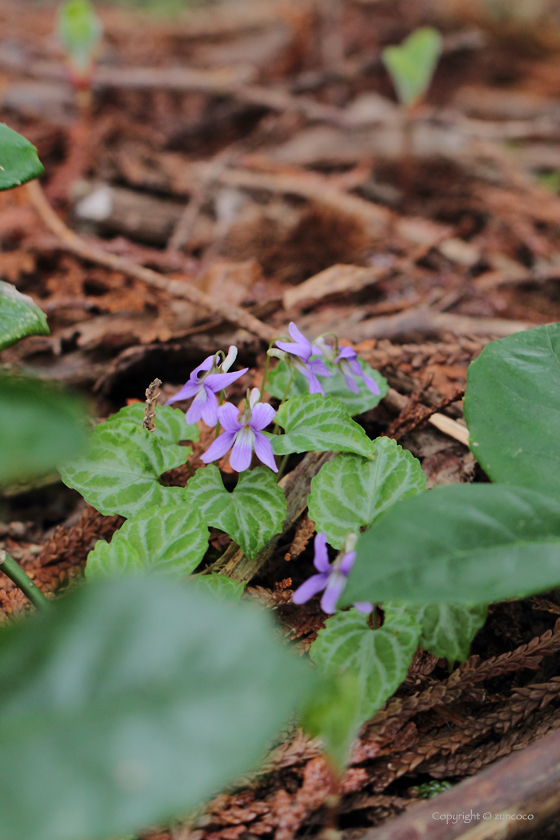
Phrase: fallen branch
(182, 289)
(524, 785)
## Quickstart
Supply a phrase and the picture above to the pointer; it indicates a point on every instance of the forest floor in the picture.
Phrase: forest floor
(254, 151)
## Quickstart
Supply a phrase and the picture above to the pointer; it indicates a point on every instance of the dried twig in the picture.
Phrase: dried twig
(74, 243)
(152, 397)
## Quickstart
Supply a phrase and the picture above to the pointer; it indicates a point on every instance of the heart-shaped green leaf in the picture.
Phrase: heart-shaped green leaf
(512, 409)
(379, 658)
(40, 427)
(170, 540)
(121, 472)
(170, 423)
(251, 515)
(350, 492)
(464, 544)
(18, 159)
(132, 700)
(19, 316)
(412, 64)
(335, 387)
(447, 629)
(318, 424)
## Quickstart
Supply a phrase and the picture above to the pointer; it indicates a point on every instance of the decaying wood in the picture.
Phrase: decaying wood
(74, 243)
(525, 783)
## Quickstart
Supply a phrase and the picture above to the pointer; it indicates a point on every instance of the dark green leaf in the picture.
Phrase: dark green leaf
(350, 492)
(170, 540)
(335, 387)
(40, 427)
(463, 543)
(318, 424)
(512, 409)
(121, 472)
(133, 700)
(251, 515)
(19, 316)
(18, 159)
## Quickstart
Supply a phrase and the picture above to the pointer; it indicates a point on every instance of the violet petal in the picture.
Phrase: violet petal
(218, 448)
(210, 408)
(219, 381)
(228, 415)
(334, 590)
(262, 416)
(194, 414)
(188, 390)
(263, 451)
(240, 458)
(311, 587)
(321, 559)
(363, 606)
(347, 562)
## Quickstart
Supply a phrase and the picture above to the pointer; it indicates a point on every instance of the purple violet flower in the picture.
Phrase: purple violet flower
(331, 579)
(205, 387)
(243, 431)
(346, 359)
(302, 349)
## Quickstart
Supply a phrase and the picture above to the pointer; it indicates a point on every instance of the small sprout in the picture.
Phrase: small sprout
(430, 789)
(80, 31)
(411, 65)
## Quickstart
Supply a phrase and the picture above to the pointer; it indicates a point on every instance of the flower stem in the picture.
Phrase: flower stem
(14, 571)
(265, 372)
(282, 467)
(275, 430)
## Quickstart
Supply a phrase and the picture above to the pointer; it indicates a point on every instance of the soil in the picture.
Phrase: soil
(241, 149)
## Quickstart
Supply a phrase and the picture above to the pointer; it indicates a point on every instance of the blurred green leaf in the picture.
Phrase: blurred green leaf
(19, 316)
(41, 426)
(333, 714)
(18, 159)
(412, 64)
(130, 702)
(219, 585)
(80, 31)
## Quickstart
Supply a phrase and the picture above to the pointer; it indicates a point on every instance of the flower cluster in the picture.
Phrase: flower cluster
(243, 430)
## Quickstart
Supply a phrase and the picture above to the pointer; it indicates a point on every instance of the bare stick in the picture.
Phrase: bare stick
(182, 289)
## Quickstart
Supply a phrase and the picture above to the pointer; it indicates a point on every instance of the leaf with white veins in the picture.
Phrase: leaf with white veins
(350, 492)
(380, 658)
(318, 424)
(251, 515)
